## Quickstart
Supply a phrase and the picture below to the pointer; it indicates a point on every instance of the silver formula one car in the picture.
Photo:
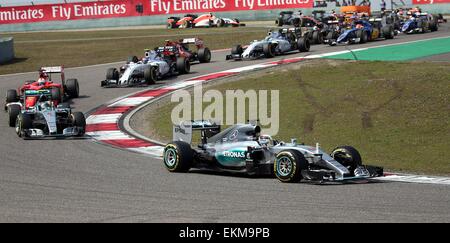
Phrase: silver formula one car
(45, 118)
(276, 43)
(157, 64)
(241, 149)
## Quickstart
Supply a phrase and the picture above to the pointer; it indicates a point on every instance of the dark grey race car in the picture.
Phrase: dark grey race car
(241, 149)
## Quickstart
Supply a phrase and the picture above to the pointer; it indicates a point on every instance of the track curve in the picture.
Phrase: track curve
(77, 180)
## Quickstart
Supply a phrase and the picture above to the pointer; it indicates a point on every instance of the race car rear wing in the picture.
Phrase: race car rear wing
(183, 131)
(375, 19)
(196, 41)
(58, 69)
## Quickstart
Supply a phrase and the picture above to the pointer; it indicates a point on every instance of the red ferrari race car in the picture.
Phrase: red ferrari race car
(202, 54)
(204, 20)
(59, 91)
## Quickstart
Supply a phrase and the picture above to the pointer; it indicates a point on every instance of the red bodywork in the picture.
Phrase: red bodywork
(188, 21)
(31, 100)
(183, 49)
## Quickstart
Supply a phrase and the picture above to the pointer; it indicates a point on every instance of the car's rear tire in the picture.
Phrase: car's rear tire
(178, 156)
(183, 65)
(237, 50)
(112, 74)
(13, 112)
(330, 36)
(150, 75)
(348, 156)
(23, 122)
(73, 88)
(279, 22)
(56, 95)
(268, 50)
(78, 120)
(388, 32)
(362, 35)
(317, 37)
(303, 44)
(288, 166)
(11, 96)
(204, 55)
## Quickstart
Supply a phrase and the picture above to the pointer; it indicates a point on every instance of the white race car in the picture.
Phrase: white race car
(157, 64)
(276, 43)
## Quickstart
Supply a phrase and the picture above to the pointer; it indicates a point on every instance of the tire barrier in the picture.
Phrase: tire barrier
(6, 49)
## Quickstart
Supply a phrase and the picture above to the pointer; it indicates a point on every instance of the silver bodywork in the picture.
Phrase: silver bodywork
(46, 114)
(282, 46)
(232, 149)
(133, 72)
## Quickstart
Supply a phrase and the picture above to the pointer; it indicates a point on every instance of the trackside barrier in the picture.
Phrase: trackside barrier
(6, 49)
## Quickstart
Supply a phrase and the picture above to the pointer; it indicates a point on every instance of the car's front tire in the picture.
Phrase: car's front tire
(112, 74)
(268, 50)
(13, 112)
(288, 166)
(79, 121)
(11, 96)
(178, 156)
(348, 156)
(183, 65)
(23, 122)
(303, 44)
(150, 75)
(204, 55)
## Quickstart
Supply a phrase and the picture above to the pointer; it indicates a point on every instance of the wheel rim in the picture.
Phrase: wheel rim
(18, 126)
(170, 157)
(284, 167)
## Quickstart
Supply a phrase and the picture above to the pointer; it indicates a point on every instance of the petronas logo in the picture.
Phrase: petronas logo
(233, 154)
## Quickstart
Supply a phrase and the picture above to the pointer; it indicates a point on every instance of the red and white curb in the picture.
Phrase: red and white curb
(103, 123)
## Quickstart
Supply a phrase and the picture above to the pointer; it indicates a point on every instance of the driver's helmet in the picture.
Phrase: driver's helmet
(47, 105)
(265, 140)
(359, 26)
(43, 77)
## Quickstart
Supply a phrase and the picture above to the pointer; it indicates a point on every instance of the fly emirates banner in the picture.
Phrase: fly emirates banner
(133, 8)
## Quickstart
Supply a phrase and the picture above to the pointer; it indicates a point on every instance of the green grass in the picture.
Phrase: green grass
(396, 114)
(73, 49)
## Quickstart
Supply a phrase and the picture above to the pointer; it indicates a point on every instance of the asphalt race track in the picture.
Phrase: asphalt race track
(78, 180)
